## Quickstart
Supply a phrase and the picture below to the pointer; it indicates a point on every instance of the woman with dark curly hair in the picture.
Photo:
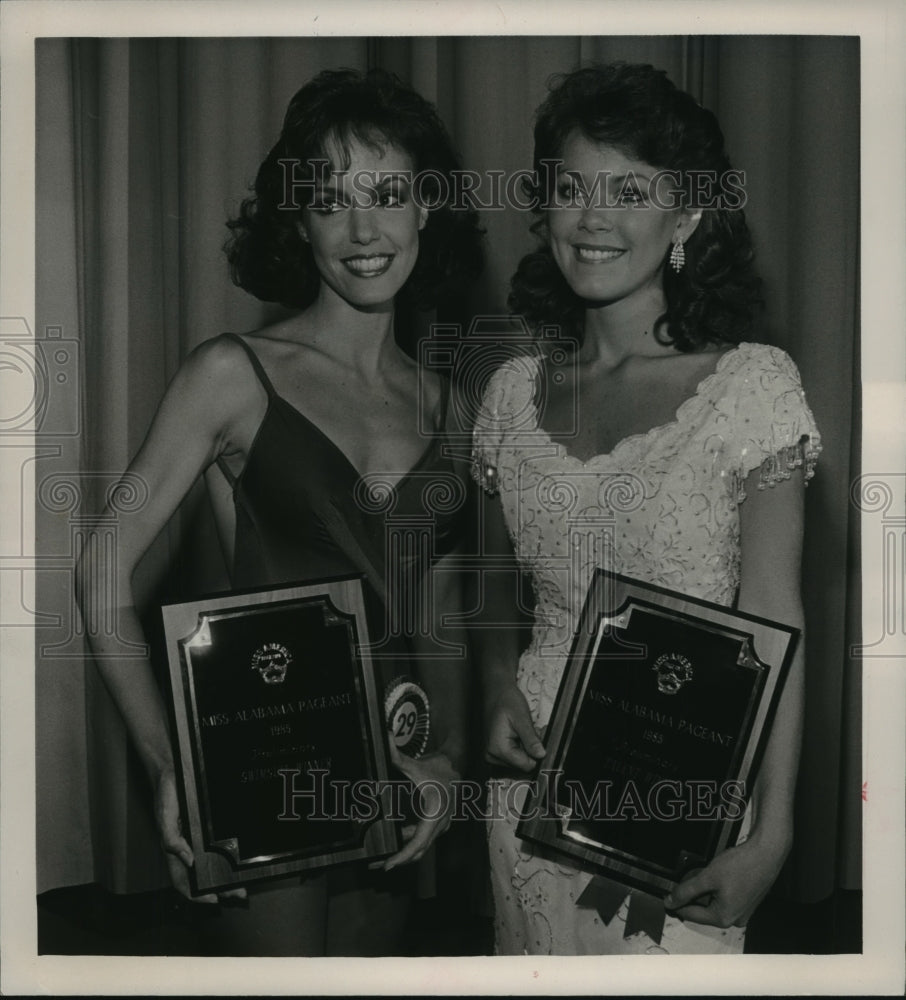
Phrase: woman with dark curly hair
(309, 431)
(646, 269)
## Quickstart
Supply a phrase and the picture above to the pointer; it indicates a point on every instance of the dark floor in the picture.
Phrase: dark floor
(87, 920)
(831, 927)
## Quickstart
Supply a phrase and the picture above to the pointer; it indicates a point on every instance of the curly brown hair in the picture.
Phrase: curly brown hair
(716, 296)
(267, 255)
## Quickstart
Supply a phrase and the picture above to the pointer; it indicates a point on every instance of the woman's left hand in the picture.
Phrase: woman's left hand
(433, 777)
(727, 892)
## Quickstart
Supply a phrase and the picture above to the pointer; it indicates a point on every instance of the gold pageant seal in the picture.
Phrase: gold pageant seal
(272, 661)
(673, 671)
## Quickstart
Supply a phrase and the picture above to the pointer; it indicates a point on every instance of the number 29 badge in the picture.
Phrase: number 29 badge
(408, 716)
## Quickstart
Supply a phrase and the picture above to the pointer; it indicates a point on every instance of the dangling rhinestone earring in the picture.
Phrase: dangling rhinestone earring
(678, 256)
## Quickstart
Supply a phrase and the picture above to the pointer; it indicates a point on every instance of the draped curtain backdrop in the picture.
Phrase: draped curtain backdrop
(145, 147)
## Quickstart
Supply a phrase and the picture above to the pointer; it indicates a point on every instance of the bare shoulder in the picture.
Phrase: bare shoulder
(219, 372)
(687, 367)
(292, 357)
(704, 362)
(711, 354)
(215, 400)
(208, 410)
(220, 357)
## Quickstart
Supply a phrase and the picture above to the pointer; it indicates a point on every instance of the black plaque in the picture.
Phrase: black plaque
(657, 731)
(282, 745)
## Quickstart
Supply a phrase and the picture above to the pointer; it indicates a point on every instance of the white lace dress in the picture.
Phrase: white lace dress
(661, 507)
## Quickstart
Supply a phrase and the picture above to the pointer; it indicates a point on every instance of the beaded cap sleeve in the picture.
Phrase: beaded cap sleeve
(773, 426)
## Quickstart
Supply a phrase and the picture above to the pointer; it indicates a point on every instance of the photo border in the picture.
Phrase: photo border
(880, 969)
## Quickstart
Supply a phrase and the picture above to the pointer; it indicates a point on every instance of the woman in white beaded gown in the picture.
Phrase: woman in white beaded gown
(647, 268)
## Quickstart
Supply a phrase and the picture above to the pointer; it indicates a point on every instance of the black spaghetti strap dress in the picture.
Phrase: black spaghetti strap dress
(303, 512)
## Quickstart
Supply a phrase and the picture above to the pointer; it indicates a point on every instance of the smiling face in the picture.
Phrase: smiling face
(363, 225)
(607, 235)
